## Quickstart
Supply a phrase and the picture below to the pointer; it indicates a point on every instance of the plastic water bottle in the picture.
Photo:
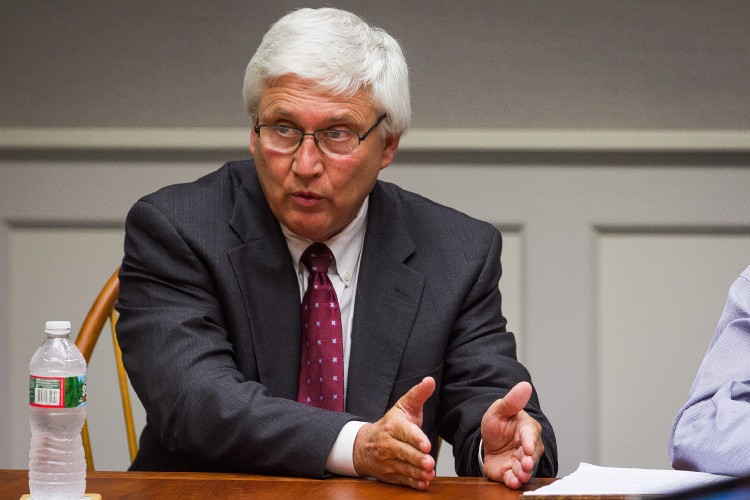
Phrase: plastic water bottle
(57, 410)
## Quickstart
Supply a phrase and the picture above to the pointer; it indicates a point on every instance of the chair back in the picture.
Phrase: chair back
(103, 309)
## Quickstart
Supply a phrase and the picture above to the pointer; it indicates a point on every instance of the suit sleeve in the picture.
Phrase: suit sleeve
(481, 366)
(178, 354)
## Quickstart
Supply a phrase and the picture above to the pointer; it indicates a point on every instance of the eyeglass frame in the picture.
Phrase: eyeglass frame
(361, 138)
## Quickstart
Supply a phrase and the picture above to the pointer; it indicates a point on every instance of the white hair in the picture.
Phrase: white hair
(341, 53)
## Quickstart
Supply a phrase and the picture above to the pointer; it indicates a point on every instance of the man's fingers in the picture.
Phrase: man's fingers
(408, 450)
(411, 434)
(527, 463)
(394, 450)
(530, 437)
(423, 469)
(512, 438)
(510, 480)
(417, 477)
(413, 401)
(520, 469)
(411, 404)
(513, 402)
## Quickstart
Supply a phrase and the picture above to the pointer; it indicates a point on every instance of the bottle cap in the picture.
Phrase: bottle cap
(57, 328)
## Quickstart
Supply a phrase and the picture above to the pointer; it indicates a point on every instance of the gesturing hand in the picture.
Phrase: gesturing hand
(394, 449)
(512, 438)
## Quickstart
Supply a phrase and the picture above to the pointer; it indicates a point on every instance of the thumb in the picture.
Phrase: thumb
(513, 402)
(413, 401)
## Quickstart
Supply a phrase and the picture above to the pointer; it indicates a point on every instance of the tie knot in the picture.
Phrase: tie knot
(317, 258)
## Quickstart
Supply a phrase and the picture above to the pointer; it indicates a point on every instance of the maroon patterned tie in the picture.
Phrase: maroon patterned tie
(321, 374)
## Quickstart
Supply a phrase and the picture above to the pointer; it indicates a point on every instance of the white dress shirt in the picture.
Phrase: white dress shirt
(346, 247)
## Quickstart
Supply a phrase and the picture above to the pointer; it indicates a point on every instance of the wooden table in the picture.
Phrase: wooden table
(179, 485)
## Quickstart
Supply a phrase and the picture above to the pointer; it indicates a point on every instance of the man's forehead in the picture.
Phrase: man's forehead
(281, 113)
(294, 99)
(300, 87)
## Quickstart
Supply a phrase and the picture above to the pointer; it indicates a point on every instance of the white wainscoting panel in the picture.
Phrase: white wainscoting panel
(56, 274)
(660, 297)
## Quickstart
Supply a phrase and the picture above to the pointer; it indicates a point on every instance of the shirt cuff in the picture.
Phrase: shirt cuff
(341, 457)
(480, 456)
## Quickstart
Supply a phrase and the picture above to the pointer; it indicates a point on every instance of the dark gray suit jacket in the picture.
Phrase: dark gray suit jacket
(210, 328)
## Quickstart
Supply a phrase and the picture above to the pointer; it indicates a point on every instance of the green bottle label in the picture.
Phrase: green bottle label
(57, 392)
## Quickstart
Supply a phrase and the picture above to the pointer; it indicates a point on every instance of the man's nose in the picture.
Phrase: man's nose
(308, 157)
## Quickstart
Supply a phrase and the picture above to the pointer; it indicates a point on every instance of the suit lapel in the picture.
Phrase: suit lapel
(269, 288)
(388, 296)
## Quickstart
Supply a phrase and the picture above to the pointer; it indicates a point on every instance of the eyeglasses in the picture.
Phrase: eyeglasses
(286, 140)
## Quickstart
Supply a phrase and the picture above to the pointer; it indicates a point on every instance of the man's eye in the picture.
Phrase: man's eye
(286, 131)
(337, 135)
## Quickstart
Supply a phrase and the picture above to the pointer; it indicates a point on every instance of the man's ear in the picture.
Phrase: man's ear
(390, 146)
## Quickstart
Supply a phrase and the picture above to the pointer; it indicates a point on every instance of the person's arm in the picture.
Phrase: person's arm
(483, 352)
(478, 367)
(176, 348)
(711, 433)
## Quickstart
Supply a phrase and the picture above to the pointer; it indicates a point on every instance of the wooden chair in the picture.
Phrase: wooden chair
(101, 310)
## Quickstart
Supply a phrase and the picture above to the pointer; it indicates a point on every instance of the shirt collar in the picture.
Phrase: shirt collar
(346, 246)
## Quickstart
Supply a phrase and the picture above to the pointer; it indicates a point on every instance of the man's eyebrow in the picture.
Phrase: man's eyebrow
(278, 112)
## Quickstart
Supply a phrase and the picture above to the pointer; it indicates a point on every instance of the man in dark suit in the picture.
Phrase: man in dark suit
(212, 281)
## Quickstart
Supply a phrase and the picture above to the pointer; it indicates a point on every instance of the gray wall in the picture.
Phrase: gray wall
(609, 140)
(494, 63)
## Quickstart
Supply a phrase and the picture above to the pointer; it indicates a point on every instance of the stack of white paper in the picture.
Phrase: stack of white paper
(594, 480)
